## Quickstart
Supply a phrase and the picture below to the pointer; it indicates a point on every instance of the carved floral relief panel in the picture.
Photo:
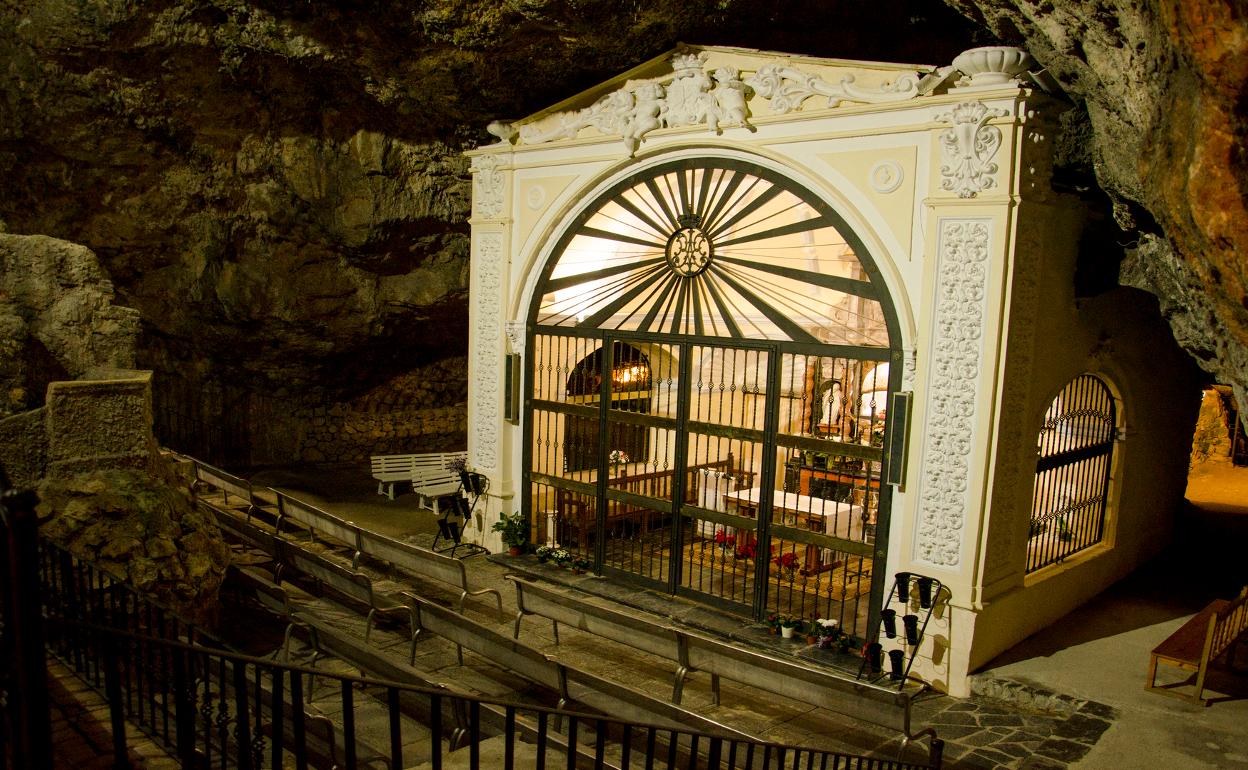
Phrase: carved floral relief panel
(953, 389)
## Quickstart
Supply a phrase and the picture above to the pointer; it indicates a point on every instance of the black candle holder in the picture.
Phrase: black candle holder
(896, 664)
(875, 657)
(925, 591)
(911, 622)
(903, 587)
(889, 618)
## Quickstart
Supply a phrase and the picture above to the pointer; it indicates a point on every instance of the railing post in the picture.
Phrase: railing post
(116, 709)
(184, 709)
(21, 630)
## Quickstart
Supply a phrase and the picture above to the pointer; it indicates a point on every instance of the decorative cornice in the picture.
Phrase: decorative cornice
(487, 186)
(968, 147)
(692, 97)
(788, 87)
(488, 350)
(957, 353)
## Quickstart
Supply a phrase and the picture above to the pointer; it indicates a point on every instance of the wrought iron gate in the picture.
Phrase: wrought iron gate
(708, 375)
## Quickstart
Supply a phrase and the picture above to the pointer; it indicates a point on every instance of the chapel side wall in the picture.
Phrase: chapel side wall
(1120, 336)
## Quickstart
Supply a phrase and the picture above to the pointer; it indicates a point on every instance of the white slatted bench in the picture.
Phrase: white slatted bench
(422, 561)
(432, 479)
(393, 469)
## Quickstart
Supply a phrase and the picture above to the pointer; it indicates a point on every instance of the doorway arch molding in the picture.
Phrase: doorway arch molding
(832, 533)
(856, 222)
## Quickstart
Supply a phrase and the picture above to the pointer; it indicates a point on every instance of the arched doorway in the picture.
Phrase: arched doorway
(727, 315)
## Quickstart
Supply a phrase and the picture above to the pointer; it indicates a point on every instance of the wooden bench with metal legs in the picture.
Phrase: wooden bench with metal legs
(1204, 638)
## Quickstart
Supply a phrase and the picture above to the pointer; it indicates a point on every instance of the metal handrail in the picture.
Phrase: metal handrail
(205, 703)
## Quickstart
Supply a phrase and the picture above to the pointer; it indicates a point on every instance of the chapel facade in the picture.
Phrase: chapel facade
(763, 331)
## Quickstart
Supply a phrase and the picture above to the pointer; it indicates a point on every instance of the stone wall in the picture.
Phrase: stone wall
(94, 424)
(400, 416)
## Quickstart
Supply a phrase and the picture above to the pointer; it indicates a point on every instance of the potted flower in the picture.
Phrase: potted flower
(561, 556)
(617, 458)
(580, 565)
(787, 562)
(789, 625)
(825, 631)
(773, 624)
(514, 528)
(543, 553)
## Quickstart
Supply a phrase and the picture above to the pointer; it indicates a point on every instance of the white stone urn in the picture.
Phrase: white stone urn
(993, 64)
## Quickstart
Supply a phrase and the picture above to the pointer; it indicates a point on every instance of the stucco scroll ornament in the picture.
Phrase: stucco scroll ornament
(968, 148)
(515, 335)
(954, 373)
(788, 87)
(488, 342)
(691, 98)
(487, 182)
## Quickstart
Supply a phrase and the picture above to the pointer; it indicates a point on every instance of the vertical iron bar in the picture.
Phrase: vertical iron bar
(571, 755)
(542, 718)
(396, 728)
(474, 734)
(435, 731)
(298, 732)
(183, 713)
(348, 723)
(242, 726)
(277, 717)
(509, 737)
(112, 693)
(32, 730)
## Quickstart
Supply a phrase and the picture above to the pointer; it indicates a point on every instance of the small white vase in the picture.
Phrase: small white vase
(786, 632)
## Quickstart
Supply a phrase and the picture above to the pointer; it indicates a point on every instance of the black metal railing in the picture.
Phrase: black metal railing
(210, 707)
(25, 726)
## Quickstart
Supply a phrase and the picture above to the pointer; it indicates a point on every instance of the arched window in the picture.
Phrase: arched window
(1076, 457)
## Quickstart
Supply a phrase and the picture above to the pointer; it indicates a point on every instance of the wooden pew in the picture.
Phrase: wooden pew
(1204, 638)
(344, 581)
(426, 563)
(630, 629)
(316, 520)
(833, 690)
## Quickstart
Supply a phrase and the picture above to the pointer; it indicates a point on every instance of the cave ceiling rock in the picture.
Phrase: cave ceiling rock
(1163, 85)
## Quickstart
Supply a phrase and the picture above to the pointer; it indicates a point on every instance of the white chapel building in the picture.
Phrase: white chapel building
(763, 331)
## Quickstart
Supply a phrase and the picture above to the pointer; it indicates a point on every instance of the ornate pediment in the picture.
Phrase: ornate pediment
(698, 94)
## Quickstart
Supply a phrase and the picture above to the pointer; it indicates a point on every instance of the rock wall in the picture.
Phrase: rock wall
(23, 448)
(139, 528)
(1162, 85)
(279, 189)
(393, 418)
(57, 318)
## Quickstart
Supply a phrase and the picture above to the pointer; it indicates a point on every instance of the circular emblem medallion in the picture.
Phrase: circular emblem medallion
(688, 251)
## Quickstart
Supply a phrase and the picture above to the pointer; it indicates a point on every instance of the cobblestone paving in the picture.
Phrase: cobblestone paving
(985, 732)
